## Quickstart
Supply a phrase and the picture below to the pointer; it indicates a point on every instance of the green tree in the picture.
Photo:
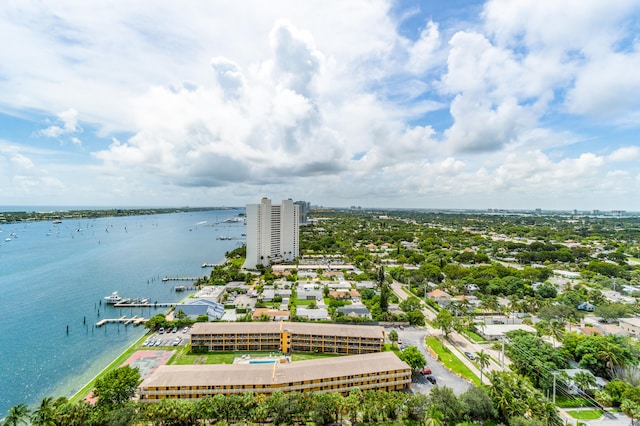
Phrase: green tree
(18, 414)
(444, 321)
(584, 380)
(413, 357)
(393, 336)
(410, 304)
(117, 386)
(446, 402)
(477, 405)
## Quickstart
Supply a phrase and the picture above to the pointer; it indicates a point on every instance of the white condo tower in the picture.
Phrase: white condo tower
(272, 233)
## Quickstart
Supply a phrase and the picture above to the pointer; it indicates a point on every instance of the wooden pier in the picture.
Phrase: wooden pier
(144, 305)
(181, 278)
(135, 320)
(186, 287)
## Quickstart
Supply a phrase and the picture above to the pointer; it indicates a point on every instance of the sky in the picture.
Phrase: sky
(374, 103)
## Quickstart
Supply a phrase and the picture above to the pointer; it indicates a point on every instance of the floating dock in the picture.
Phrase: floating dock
(135, 320)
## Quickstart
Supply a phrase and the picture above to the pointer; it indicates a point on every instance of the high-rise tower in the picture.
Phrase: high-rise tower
(272, 233)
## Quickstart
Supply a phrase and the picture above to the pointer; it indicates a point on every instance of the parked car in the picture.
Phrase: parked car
(174, 330)
(470, 355)
(426, 371)
(161, 331)
(432, 380)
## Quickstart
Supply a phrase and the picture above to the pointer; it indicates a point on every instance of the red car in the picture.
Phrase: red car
(425, 371)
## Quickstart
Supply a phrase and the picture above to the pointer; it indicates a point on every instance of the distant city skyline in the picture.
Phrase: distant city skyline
(445, 104)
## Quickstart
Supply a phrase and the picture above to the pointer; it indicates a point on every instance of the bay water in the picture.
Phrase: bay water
(54, 277)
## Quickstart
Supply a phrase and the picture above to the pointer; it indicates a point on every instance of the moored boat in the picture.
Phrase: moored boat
(113, 298)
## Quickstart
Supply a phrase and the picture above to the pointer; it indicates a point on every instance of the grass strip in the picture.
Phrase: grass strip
(451, 361)
(585, 414)
(82, 393)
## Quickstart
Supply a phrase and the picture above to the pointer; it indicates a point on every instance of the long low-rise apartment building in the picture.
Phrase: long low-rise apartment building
(382, 371)
(288, 337)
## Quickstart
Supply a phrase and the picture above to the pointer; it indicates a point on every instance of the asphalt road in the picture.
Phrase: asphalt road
(413, 336)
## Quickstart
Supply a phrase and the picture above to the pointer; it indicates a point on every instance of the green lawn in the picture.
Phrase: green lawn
(585, 414)
(183, 357)
(451, 361)
(299, 302)
(475, 336)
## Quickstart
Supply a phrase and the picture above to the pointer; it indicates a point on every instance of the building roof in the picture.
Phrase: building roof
(320, 313)
(271, 313)
(437, 293)
(502, 329)
(634, 322)
(346, 330)
(270, 374)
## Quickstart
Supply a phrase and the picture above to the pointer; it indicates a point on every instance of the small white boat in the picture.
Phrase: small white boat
(7, 239)
(113, 298)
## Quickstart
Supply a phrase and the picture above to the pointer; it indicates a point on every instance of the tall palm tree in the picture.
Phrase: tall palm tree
(18, 414)
(483, 360)
(44, 414)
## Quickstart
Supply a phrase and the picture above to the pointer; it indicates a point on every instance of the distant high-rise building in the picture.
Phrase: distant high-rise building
(304, 207)
(272, 233)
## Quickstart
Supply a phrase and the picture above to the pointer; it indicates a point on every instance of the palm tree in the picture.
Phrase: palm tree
(557, 331)
(434, 417)
(44, 415)
(18, 414)
(483, 360)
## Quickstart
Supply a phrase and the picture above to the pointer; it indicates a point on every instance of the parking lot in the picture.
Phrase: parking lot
(413, 336)
(168, 338)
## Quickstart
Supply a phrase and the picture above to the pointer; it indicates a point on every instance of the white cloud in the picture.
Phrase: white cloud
(69, 119)
(326, 100)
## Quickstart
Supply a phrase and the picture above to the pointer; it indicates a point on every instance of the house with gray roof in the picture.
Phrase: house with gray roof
(355, 310)
(193, 308)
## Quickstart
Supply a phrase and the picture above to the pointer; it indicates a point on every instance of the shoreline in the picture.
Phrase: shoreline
(123, 356)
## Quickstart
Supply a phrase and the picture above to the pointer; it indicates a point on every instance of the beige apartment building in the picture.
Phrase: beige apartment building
(288, 337)
(382, 371)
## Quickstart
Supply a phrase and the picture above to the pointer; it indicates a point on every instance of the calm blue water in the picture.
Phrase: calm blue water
(54, 276)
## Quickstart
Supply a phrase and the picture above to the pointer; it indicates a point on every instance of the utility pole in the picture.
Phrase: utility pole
(554, 386)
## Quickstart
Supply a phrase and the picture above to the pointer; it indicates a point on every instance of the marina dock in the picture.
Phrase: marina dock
(127, 304)
(186, 287)
(135, 320)
(181, 278)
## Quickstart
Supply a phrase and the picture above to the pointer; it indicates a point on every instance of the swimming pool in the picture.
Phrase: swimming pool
(263, 361)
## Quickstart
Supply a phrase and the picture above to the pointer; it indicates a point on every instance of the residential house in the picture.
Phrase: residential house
(318, 314)
(631, 326)
(442, 298)
(571, 385)
(273, 314)
(355, 310)
(193, 308)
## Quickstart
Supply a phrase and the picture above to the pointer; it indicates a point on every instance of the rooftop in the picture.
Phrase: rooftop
(346, 330)
(269, 374)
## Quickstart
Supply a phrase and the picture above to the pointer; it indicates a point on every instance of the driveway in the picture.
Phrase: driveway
(414, 336)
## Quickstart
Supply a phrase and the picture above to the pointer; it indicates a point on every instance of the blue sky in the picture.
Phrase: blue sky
(429, 104)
